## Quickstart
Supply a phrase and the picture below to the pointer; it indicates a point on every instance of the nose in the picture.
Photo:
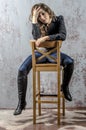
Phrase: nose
(42, 17)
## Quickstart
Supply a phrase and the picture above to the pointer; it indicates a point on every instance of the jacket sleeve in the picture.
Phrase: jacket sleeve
(61, 35)
(36, 31)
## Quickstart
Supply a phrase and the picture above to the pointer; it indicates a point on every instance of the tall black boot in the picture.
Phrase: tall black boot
(68, 70)
(22, 87)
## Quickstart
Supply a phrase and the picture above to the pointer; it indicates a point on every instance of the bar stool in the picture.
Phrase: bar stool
(37, 68)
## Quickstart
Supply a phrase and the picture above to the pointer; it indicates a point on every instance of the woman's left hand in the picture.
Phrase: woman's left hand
(41, 40)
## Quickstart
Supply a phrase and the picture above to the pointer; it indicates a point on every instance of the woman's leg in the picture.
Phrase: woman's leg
(68, 64)
(22, 82)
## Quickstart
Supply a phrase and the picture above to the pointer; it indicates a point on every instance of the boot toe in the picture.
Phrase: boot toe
(68, 97)
(20, 107)
(67, 94)
(17, 112)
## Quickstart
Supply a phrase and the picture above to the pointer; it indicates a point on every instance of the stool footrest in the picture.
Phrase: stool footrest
(49, 95)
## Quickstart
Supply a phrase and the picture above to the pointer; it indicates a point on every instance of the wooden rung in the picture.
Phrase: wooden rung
(50, 95)
(46, 69)
(46, 65)
(43, 101)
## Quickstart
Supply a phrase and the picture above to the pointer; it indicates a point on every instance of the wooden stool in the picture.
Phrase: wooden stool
(37, 68)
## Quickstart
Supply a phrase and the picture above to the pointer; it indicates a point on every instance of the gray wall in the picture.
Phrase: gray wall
(15, 33)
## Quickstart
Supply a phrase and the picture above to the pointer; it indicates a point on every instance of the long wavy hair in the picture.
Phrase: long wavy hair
(47, 9)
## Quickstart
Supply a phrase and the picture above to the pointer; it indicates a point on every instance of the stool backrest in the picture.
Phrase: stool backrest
(51, 46)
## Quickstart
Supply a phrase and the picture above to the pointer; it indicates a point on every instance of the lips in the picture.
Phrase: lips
(44, 21)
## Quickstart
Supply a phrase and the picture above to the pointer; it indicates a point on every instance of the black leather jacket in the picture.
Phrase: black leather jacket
(56, 30)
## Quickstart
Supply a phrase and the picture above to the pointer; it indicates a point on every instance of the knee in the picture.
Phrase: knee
(68, 61)
(71, 61)
(22, 72)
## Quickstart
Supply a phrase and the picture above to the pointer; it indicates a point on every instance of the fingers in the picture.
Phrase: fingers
(36, 11)
(40, 40)
(37, 43)
(37, 8)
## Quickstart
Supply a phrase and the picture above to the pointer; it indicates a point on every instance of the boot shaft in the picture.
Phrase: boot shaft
(68, 71)
(22, 86)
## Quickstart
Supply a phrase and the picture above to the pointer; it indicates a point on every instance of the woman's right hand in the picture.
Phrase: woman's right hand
(35, 14)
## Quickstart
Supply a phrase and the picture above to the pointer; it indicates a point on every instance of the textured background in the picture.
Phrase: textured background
(15, 33)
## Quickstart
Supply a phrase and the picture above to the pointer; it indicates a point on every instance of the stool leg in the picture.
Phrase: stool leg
(63, 100)
(34, 97)
(39, 104)
(58, 79)
(58, 109)
(59, 96)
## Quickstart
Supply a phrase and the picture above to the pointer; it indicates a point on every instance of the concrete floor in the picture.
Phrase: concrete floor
(73, 120)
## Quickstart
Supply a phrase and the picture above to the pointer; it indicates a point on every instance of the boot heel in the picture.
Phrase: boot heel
(24, 107)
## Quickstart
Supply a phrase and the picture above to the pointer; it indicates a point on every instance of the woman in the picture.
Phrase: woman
(45, 26)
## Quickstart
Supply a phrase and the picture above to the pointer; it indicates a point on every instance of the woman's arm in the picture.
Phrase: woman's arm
(36, 31)
(61, 35)
(35, 27)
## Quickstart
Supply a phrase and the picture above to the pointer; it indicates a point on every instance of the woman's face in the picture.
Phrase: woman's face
(44, 17)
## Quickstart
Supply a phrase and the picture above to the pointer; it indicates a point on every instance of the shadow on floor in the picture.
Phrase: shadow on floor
(73, 120)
